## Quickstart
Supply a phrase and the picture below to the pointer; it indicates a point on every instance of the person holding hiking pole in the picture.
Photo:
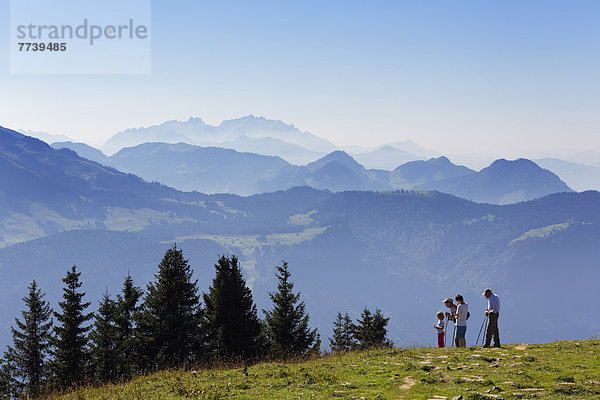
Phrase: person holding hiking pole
(449, 303)
(492, 312)
(451, 316)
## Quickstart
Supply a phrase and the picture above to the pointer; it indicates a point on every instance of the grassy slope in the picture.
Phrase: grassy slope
(549, 371)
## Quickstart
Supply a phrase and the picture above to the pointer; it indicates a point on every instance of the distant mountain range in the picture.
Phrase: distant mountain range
(266, 137)
(215, 170)
(262, 136)
(401, 251)
(250, 133)
(503, 182)
(204, 169)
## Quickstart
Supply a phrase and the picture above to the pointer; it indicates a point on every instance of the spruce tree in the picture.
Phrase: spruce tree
(233, 327)
(380, 330)
(71, 352)
(344, 332)
(28, 358)
(9, 387)
(287, 327)
(315, 350)
(371, 331)
(127, 308)
(169, 321)
(104, 340)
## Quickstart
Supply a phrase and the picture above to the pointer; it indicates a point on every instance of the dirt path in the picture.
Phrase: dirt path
(409, 382)
(521, 346)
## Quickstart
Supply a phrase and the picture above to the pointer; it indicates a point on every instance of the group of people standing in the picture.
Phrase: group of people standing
(459, 314)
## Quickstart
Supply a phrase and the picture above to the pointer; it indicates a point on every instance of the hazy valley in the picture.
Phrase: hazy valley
(370, 245)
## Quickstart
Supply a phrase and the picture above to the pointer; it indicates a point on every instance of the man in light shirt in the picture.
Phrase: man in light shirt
(493, 312)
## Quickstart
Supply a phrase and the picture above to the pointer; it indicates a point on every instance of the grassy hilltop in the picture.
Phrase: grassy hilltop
(549, 371)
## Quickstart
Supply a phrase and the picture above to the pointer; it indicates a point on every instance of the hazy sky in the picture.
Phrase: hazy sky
(505, 77)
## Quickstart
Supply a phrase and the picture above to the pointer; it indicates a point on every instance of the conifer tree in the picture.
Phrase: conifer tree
(344, 331)
(315, 350)
(71, 352)
(9, 387)
(103, 336)
(287, 327)
(233, 327)
(28, 358)
(126, 309)
(169, 321)
(371, 331)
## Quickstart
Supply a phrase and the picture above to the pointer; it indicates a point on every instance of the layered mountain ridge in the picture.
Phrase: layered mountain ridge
(401, 251)
(216, 170)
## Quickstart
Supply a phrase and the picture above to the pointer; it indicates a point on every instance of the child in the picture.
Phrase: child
(440, 328)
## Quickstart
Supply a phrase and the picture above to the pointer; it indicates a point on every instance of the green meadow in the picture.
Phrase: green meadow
(560, 370)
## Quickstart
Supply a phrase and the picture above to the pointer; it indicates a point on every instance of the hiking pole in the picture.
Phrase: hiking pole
(445, 330)
(487, 322)
(453, 333)
(480, 329)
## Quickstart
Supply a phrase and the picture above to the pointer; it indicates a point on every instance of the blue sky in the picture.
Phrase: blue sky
(512, 78)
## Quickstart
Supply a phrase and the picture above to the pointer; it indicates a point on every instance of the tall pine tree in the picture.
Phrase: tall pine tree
(71, 352)
(287, 327)
(344, 331)
(234, 330)
(28, 357)
(103, 336)
(169, 321)
(127, 308)
(371, 331)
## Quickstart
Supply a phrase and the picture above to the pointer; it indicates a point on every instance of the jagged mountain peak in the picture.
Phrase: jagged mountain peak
(251, 122)
(226, 134)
